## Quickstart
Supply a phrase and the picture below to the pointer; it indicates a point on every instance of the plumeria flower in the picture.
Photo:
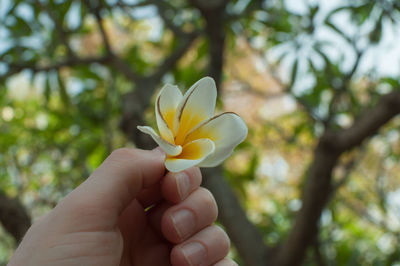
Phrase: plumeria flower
(189, 133)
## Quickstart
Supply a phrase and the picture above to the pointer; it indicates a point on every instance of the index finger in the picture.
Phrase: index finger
(118, 181)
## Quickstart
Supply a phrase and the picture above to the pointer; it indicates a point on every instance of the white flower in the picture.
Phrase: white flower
(189, 134)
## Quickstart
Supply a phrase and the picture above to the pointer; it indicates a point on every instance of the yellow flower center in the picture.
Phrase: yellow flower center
(187, 122)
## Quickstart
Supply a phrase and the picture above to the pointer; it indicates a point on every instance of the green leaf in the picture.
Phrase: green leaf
(47, 90)
(394, 83)
(337, 30)
(253, 165)
(336, 10)
(294, 72)
(64, 8)
(362, 12)
(63, 91)
(20, 28)
(376, 34)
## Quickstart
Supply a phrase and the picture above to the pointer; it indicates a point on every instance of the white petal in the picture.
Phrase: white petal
(167, 101)
(168, 148)
(226, 130)
(197, 105)
(192, 154)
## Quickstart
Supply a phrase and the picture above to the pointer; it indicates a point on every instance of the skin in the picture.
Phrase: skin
(129, 212)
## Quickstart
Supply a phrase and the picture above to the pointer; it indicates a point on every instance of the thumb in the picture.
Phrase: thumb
(117, 181)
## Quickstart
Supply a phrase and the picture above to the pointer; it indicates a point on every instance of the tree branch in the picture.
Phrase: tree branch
(62, 33)
(348, 167)
(245, 235)
(370, 122)
(96, 12)
(214, 14)
(361, 211)
(206, 5)
(247, 238)
(184, 44)
(317, 253)
(319, 179)
(17, 67)
(14, 217)
(122, 4)
(162, 7)
(344, 87)
(137, 101)
(125, 68)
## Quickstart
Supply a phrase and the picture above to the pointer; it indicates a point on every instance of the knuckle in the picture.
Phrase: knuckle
(123, 157)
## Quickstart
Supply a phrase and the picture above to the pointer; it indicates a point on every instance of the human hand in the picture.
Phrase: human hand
(105, 220)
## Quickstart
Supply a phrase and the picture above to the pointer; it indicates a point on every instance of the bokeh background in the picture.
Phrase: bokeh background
(317, 182)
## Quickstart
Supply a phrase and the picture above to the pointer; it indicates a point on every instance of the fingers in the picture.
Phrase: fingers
(190, 216)
(150, 196)
(177, 186)
(207, 247)
(155, 215)
(174, 187)
(188, 222)
(117, 181)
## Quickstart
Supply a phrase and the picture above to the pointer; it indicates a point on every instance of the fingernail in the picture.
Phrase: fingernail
(195, 253)
(183, 183)
(184, 222)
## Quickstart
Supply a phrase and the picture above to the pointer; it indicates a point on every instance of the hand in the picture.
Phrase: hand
(128, 213)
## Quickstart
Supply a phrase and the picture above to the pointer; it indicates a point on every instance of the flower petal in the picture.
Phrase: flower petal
(192, 154)
(226, 130)
(197, 105)
(167, 101)
(168, 148)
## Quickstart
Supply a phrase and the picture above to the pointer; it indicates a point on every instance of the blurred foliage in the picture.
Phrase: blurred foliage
(59, 117)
